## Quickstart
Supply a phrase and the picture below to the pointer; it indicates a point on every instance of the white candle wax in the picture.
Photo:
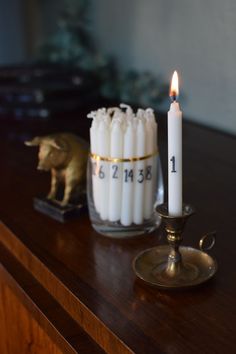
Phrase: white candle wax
(139, 175)
(115, 187)
(158, 195)
(103, 168)
(94, 150)
(149, 173)
(175, 203)
(156, 168)
(128, 177)
(129, 111)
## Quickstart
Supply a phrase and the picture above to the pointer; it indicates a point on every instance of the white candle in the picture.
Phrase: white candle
(156, 168)
(97, 116)
(150, 166)
(128, 176)
(175, 203)
(139, 175)
(94, 150)
(116, 151)
(103, 167)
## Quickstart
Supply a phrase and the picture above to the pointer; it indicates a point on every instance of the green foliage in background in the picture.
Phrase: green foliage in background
(73, 44)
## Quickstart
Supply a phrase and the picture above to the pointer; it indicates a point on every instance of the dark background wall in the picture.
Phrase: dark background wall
(12, 34)
(198, 38)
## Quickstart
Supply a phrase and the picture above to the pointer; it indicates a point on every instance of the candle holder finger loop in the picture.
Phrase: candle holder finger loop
(210, 239)
(173, 266)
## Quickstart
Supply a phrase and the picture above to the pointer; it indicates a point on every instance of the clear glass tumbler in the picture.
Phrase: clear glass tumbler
(123, 193)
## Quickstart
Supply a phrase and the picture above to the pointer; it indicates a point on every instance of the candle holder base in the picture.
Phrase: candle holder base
(152, 264)
(171, 266)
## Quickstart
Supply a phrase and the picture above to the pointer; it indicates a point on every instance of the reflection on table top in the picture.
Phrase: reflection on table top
(91, 276)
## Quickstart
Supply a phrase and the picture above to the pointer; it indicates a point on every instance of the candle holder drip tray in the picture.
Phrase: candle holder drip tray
(172, 266)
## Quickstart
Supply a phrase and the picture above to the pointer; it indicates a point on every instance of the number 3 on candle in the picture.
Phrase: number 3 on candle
(173, 164)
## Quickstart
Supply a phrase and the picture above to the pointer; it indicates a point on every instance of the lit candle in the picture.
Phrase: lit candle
(175, 203)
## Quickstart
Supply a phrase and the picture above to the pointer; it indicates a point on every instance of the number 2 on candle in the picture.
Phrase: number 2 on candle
(115, 173)
(173, 164)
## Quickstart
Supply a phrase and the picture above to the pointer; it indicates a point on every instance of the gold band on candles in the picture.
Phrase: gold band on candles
(114, 159)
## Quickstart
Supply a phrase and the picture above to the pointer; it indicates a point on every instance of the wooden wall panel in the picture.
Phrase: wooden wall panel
(20, 333)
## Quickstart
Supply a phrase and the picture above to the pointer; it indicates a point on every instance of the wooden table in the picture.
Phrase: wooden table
(64, 288)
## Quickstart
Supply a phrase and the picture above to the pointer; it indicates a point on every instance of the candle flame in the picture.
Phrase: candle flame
(174, 87)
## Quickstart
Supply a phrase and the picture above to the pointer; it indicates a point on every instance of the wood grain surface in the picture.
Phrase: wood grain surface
(31, 321)
(91, 276)
(20, 333)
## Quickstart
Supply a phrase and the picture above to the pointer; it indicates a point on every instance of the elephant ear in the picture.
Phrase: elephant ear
(34, 142)
(59, 143)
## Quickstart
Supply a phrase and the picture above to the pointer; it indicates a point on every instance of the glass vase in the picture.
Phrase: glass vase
(123, 194)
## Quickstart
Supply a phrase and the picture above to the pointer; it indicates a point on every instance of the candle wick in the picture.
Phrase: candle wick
(173, 98)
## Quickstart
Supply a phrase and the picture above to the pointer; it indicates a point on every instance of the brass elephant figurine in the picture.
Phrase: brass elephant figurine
(66, 156)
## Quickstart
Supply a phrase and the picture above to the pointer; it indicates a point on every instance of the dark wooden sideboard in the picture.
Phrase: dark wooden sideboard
(66, 289)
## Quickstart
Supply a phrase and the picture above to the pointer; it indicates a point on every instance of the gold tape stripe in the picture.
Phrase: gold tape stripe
(113, 159)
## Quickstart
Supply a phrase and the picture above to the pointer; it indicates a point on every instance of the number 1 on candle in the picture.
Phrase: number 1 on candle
(173, 164)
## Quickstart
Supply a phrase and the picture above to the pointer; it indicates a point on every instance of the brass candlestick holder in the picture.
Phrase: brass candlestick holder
(175, 266)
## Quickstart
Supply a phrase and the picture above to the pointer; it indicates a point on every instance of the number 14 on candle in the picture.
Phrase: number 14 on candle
(175, 197)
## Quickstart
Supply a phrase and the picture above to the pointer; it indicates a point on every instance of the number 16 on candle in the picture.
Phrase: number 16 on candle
(175, 197)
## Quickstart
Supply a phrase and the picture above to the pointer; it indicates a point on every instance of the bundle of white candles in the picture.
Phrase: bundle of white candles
(123, 153)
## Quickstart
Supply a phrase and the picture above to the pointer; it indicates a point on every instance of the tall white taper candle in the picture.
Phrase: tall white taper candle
(94, 150)
(139, 173)
(148, 186)
(128, 176)
(115, 185)
(103, 170)
(175, 202)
